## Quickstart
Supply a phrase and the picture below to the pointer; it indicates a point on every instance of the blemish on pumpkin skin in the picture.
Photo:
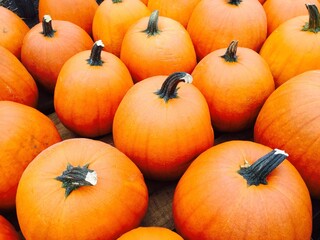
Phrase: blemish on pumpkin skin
(4, 30)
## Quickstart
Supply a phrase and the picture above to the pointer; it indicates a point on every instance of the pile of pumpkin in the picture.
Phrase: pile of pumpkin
(164, 77)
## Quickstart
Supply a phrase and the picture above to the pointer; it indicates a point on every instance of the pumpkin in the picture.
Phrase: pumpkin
(179, 10)
(157, 45)
(214, 24)
(276, 15)
(78, 12)
(13, 30)
(47, 46)
(113, 18)
(16, 83)
(242, 190)
(295, 47)
(290, 119)
(162, 124)
(97, 74)
(7, 230)
(80, 189)
(152, 232)
(235, 82)
(24, 133)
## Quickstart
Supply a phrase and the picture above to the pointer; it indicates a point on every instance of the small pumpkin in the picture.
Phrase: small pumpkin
(290, 119)
(24, 133)
(47, 46)
(235, 82)
(157, 45)
(295, 47)
(162, 124)
(7, 230)
(16, 83)
(113, 18)
(242, 190)
(80, 189)
(97, 74)
(147, 233)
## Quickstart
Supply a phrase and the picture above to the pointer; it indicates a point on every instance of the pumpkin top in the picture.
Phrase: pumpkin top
(47, 26)
(314, 19)
(153, 28)
(235, 2)
(95, 56)
(231, 52)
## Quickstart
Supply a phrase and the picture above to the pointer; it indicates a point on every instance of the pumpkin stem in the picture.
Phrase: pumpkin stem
(95, 56)
(257, 173)
(235, 2)
(116, 1)
(231, 53)
(47, 29)
(314, 19)
(169, 89)
(152, 28)
(75, 177)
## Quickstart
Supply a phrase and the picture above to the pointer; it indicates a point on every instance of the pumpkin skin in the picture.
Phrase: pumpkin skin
(284, 52)
(7, 230)
(147, 233)
(104, 78)
(276, 15)
(213, 201)
(289, 119)
(13, 30)
(78, 12)
(235, 82)
(44, 54)
(25, 132)
(88, 212)
(179, 10)
(113, 18)
(157, 142)
(16, 83)
(228, 20)
(157, 45)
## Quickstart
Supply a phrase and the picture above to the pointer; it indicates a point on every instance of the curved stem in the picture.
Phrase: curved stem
(153, 28)
(95, 56)
(235, 2)
(74, 177)
(257, 173)
(314, 19)
(47, 29)
(168, 89)
(231, 53)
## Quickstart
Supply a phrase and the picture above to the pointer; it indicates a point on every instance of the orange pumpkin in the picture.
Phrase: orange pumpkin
(80, 189)
(214, 24)
(179, 10)
(147, 233)
(113, 18)
(235, 82)
(290, 119)
(13, 30)
(104, 78)
(295, 47)
(78, 12)
(237, 190)
(276, 15)
(162, 127)
(16, 83)
(157, 45)
(24, 133)
(46, 48)
(7, 230)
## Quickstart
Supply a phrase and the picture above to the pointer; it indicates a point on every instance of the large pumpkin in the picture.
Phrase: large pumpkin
(80, 189)
(290, 119)
(113, 18)
(162, 127)
(7, 230)
(214, 24)
(295, 47)
(24, 133)
(233, 191)
(48, 45)
(157, 45)
(89, 88)
(235, 82)
(16, 83)
(148, 233)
